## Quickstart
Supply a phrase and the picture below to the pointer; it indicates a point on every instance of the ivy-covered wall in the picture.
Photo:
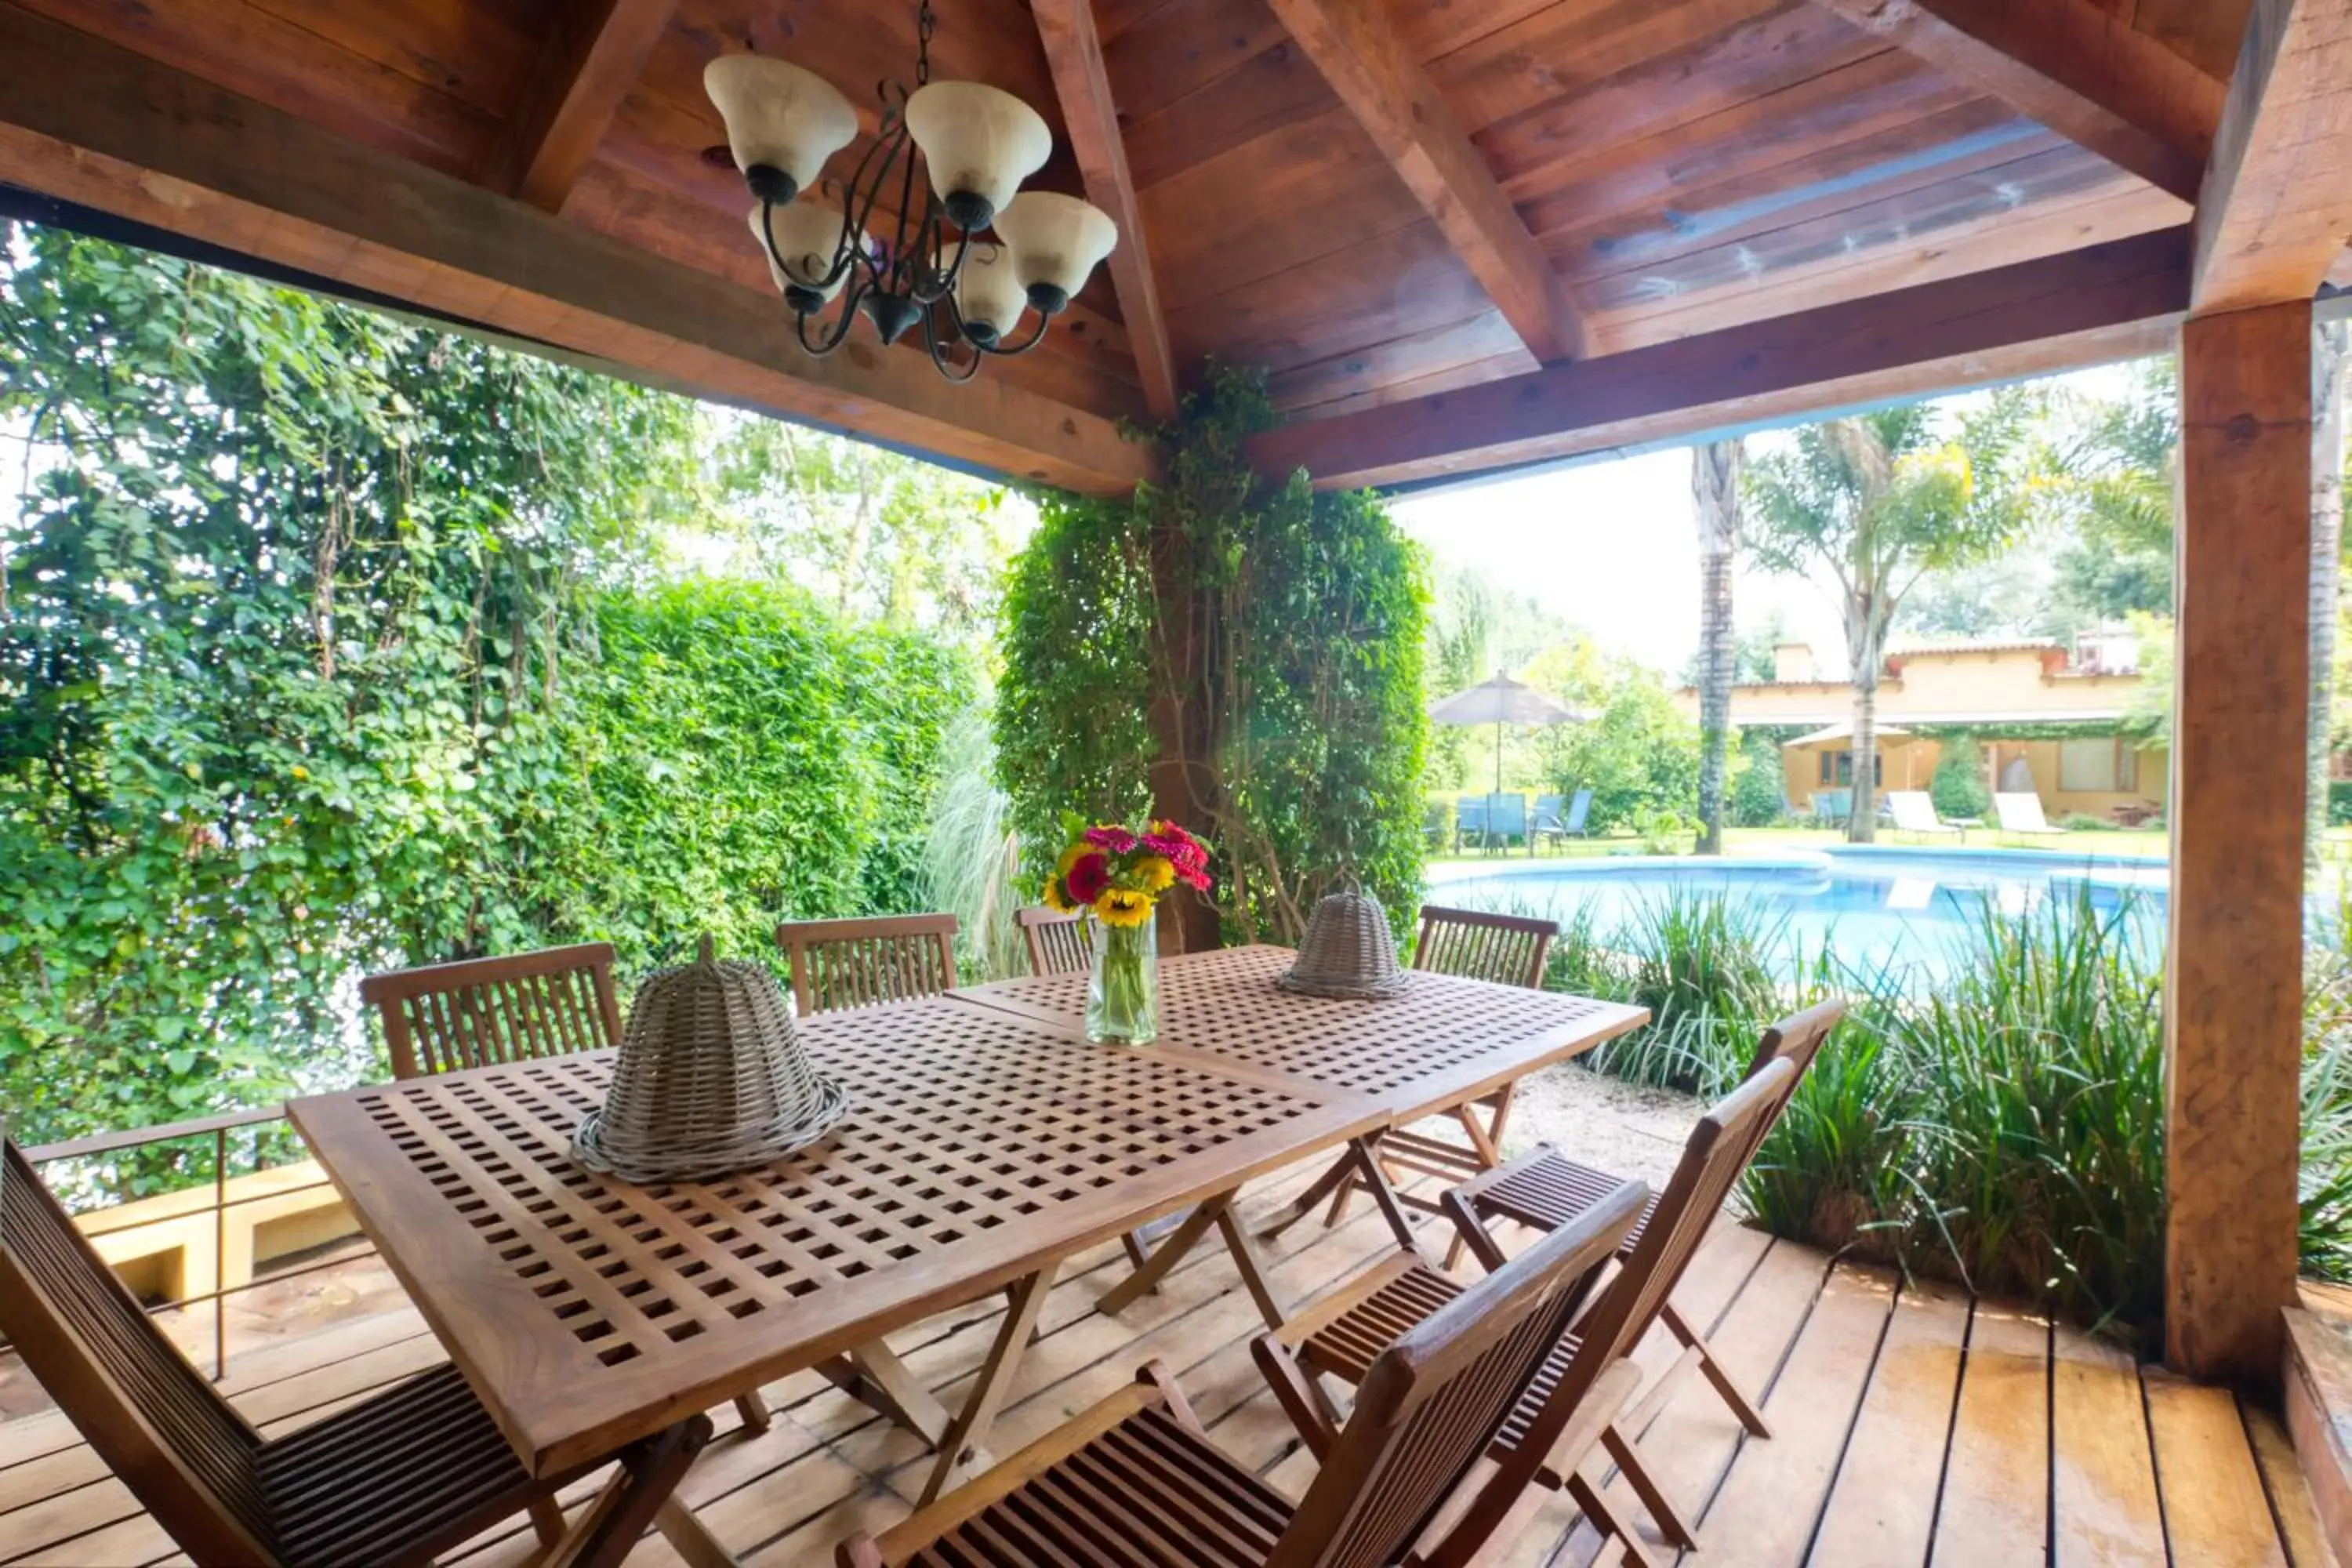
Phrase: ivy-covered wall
(1273, 633)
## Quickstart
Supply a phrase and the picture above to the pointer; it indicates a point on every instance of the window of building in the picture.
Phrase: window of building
(2103, 766)
(1837, 768)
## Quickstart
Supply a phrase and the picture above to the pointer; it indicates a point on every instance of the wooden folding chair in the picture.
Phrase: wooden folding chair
(396, 1479)
(476, 1012)
(440, 1017)
(1509, 950)
(1340, 1335)
(866, 963)
(1136, 1479)
(1545, 1189)
(1056, 941)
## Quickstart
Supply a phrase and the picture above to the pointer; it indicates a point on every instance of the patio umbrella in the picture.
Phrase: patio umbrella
(1501, 701)
(1843, 731)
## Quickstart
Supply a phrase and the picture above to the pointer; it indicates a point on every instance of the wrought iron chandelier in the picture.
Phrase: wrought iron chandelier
(968, 253)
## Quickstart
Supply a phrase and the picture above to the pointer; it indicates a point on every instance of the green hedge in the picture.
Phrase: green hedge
(2339, 802)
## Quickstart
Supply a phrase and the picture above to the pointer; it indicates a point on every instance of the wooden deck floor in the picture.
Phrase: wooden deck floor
(1911, 1426)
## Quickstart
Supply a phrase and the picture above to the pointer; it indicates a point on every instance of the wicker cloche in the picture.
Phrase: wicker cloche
(1347, 950)
(710, 1079)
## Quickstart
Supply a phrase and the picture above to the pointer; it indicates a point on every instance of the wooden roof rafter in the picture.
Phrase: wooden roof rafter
(2275, 211)
(1362, 54)
(2071, 65)
(589, 62)
(1074, 54)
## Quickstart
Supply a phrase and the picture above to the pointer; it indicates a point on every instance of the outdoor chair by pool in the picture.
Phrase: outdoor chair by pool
(1556, 827)
(1914, 812)
(1056, 941)
(1137, 1479)
(1509, 950)
(479, 1012)
(1832, 807)
(1545, 1190)
(1494, 820)
(2020, 813)
(1339, 1336)
(867, 962)
(396, 1478)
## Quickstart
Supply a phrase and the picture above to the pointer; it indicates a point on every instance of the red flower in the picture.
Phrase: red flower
(1088, 876)
(1111, 836)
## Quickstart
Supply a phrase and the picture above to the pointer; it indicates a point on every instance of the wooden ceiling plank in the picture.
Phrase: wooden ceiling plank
(2276, 207)
(94, 123)
(1362, 54)
(591, 57)
(1073, 56)
(2103, 302)
(2077, 68)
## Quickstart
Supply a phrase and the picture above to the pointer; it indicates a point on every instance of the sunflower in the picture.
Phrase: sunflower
(1159, 875)
(1121, 907)
(1054, 898)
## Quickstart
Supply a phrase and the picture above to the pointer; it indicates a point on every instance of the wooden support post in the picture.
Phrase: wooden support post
(2234, 971)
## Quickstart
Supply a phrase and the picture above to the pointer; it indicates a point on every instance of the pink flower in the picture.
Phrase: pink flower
(1111, 836)
(1088, 876)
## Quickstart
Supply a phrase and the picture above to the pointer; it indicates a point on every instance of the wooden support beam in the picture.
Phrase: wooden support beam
(593, 54)
(1361, 50)
(2276, 208)
(2074, 66)
(89, 123)
(2104, 302)
(2233, 967)
(1074, 55)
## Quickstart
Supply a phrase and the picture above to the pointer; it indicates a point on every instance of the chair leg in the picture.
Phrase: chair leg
(753, 1408)
(1607, 1524)
(1733, 1394)
(547, 1520)
(1636, 1471)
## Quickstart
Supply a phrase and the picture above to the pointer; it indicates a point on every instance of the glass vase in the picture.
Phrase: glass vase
(1123, 985)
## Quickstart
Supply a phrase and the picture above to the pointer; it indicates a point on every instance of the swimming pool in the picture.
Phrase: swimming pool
(1868, 905)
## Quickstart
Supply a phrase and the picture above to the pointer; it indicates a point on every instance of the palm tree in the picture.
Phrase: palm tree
(1875, 500)
(1715, 492)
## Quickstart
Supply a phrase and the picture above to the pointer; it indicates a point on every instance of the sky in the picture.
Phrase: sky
(1614, 548)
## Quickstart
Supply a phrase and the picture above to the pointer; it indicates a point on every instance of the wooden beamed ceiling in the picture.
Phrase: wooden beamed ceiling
(1400, 209)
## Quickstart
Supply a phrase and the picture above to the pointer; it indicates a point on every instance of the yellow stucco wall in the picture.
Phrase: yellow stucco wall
(1911, 764)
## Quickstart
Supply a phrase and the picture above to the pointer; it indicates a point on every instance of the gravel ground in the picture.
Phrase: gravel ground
(1620, 1127)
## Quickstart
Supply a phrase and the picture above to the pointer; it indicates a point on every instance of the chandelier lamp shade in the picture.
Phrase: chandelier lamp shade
(964, 251)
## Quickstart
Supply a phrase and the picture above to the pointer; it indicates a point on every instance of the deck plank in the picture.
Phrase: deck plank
(2300, 1529)
(1996, 1506)
(2102, 1470)
(1773, 1498)
(1882, 1508)
(2215, 1508)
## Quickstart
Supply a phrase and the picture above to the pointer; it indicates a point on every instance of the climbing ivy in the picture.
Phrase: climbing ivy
(1279, 630)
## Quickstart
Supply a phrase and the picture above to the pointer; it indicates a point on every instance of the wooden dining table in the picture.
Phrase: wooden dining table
(986, 1141)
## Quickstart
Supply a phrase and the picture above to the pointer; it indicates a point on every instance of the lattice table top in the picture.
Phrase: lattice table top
(1443, 1039)
(979, 1146)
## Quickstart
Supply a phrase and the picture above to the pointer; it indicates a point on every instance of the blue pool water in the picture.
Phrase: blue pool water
(1869, 906)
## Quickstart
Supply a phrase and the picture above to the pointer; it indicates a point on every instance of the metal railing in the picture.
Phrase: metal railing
(218, 1129)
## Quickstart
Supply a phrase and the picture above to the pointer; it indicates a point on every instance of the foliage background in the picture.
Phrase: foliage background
(330, 641)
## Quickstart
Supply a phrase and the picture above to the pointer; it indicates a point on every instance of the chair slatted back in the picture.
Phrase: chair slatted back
(1507, 948)
(185, 1454)
(1715, 1154)
(838, 964)
(1797, 1040)
(1057, 942)
(441, 1018)
(1428, 1407)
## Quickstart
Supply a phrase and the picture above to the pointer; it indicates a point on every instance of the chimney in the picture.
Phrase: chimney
(1792, 661)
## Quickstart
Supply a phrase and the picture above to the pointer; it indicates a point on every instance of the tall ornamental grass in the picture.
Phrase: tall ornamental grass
(2001, 1127)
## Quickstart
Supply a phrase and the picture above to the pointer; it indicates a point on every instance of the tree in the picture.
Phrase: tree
(2111, 467)
(1714, 497)
(1873, 502)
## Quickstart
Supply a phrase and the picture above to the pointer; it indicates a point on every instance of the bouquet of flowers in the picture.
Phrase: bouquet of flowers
(1112, 877)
